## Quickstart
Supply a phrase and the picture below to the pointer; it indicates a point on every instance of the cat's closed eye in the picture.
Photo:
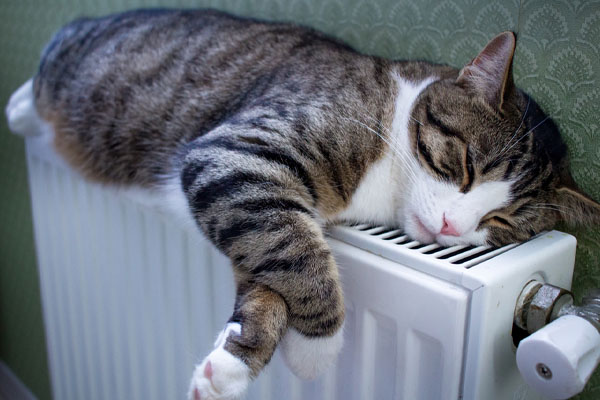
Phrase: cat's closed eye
(497, 220)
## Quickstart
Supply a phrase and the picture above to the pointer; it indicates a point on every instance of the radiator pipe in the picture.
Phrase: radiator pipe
(588, 310)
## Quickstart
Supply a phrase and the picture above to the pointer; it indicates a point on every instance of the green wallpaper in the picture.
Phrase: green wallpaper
(556, 61)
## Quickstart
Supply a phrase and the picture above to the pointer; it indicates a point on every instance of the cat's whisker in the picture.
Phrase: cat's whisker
(407, 161)
(555, 207)
(530, 213)
(518, 129)
(393, 146)
(528, 132)
(364, 113)
(416, 120)
(475, 150)
(510, 144)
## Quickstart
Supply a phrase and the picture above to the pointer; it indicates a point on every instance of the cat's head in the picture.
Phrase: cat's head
(491, 166)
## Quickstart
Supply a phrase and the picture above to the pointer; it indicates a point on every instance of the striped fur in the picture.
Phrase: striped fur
(273, 129)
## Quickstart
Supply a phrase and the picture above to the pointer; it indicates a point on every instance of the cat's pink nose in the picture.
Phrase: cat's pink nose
(448, 228)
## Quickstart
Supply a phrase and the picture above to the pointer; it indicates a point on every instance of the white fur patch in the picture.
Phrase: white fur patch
(380, 192)
(307, 357)
(228, 376)
(23, 118)
(373, 201)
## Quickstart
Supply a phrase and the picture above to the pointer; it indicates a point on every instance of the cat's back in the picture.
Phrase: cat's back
(159, 53)
(147, 82)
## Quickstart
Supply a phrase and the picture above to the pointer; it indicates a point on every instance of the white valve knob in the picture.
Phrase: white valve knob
(558, 359)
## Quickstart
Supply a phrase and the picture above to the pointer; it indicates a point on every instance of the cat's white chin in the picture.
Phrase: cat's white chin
(417, 230)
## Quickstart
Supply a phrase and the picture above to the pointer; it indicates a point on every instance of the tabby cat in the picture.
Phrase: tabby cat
(262, 133)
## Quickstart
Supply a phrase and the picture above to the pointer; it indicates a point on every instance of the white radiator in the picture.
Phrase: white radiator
(133, 300)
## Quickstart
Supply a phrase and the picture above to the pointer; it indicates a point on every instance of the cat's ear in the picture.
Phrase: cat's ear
(576, 208)
(490, 73)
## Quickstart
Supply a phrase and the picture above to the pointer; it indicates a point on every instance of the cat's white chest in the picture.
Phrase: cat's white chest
(375, 199)
(379, 197)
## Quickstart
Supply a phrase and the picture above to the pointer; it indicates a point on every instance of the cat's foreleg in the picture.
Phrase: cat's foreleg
(291, 281)
(257, 207)
(244, 347)
(315, 328)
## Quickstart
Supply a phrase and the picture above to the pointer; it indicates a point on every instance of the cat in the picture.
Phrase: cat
(262, 133)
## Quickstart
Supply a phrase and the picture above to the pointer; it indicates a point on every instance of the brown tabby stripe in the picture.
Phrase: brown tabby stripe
(226, 187)
(443, 128)
(274, 155)
(422, 149)
(510, 165)
(334, 173)
(487, 168)
(227, 235)
(270, 204)
(468, 172)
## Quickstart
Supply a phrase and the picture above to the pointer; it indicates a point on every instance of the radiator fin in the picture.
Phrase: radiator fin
(423, 367)
(464, 256)
(380, 348)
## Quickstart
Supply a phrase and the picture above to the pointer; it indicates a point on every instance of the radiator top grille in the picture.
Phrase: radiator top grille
(387, 238)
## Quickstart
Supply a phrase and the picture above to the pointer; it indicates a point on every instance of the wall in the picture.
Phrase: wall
(557, 62)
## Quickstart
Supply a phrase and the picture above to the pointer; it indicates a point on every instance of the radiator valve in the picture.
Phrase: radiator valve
(563, 348)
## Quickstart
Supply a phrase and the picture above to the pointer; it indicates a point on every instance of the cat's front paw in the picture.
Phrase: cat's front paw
(221, 375)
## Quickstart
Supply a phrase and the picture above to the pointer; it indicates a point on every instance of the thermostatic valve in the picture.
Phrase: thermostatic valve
(563, 349)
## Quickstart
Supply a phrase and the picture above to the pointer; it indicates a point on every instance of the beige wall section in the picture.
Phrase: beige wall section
(557, 62)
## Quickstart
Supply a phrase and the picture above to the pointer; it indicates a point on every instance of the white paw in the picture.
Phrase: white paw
(310, 357)
(220, 376)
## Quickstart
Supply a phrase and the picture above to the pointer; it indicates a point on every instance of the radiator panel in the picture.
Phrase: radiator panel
(132, 301)
(109, 292)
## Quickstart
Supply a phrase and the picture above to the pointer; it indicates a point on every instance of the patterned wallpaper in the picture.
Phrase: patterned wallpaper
(557, 62)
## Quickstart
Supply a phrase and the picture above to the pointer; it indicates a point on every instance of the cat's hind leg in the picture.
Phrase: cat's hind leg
(21, 113)
(244, 347)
